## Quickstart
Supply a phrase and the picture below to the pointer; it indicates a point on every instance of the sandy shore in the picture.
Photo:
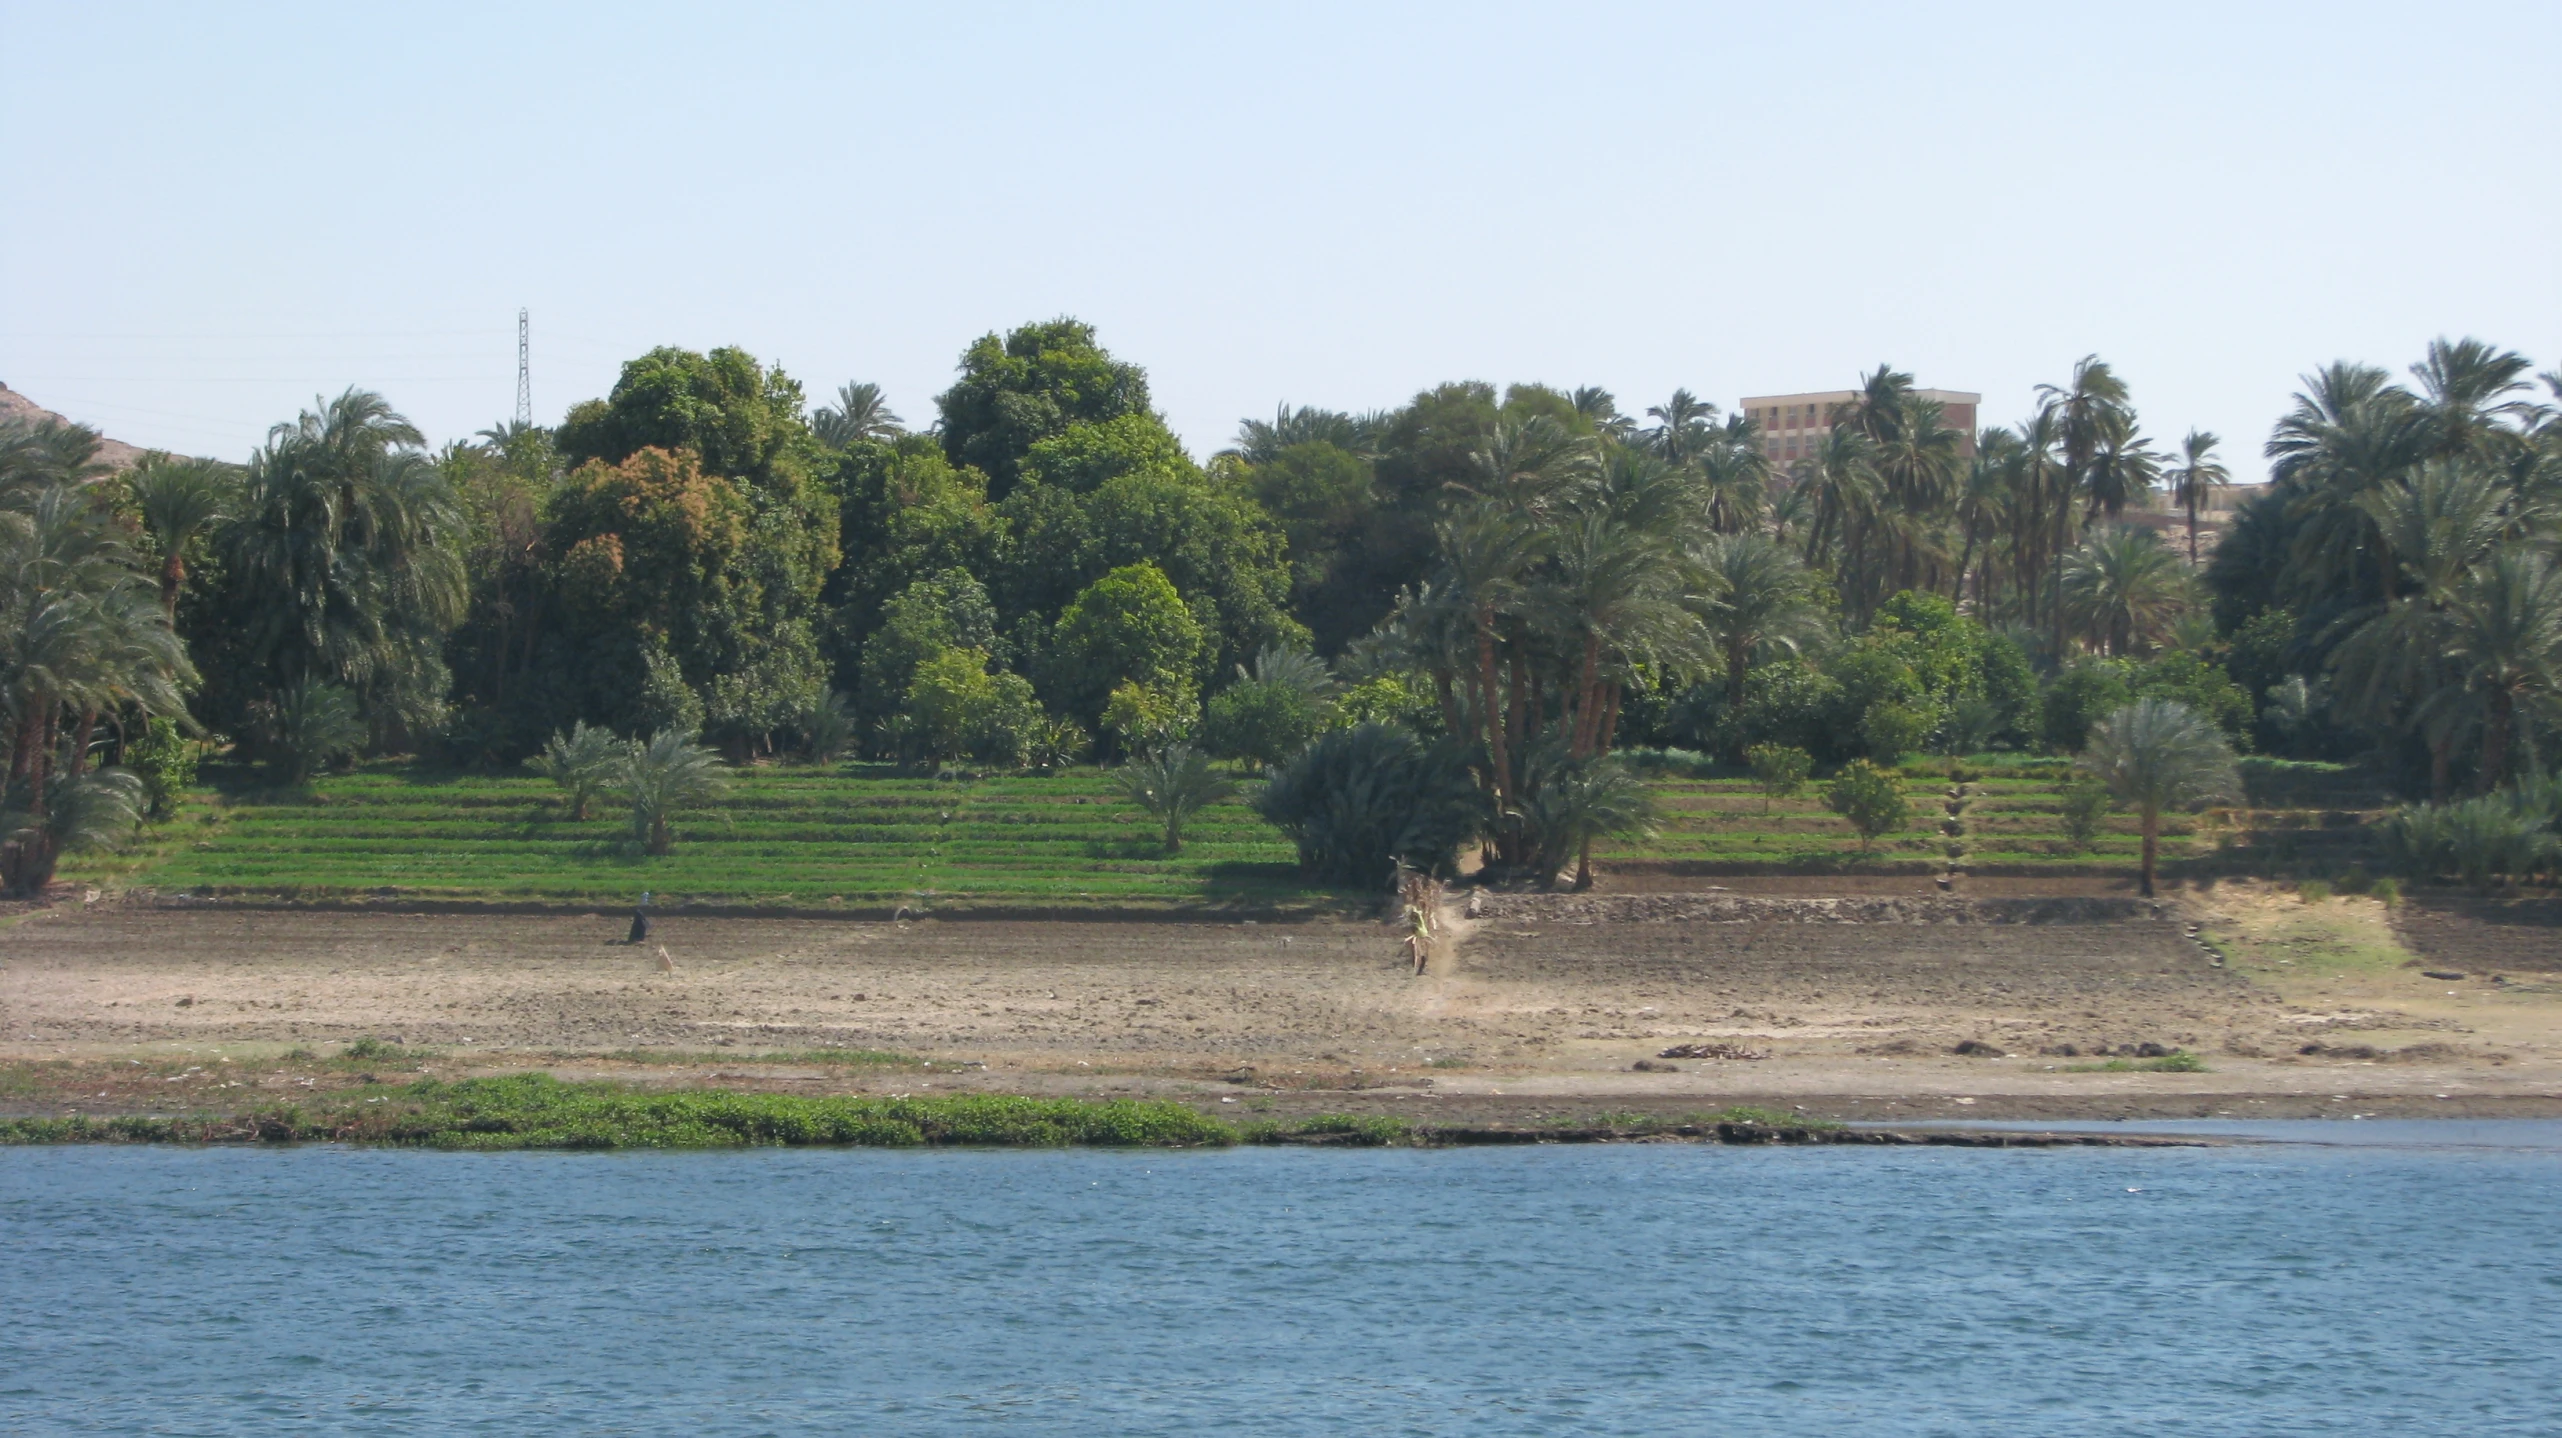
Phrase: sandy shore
(1540, 1008)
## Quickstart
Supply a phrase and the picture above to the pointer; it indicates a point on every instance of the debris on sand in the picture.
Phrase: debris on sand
(666, 965)
(1713, 1051)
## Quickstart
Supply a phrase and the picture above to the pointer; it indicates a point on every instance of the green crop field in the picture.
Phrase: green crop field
(871, 837)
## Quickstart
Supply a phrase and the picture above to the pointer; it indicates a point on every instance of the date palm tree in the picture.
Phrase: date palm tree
(1753, 594)
(1172, 783)
(181, 500)
(2124, 587)
(2505, 637)
(664, 775)
(2194, 478)
(584, 762)
(861, 413)
(2158, 754)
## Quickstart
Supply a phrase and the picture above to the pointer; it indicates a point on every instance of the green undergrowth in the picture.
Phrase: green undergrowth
(820, 1058)
(1383, 1131)
(536, 1111)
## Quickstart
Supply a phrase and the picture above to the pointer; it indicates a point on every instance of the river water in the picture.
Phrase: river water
(2408, 1283)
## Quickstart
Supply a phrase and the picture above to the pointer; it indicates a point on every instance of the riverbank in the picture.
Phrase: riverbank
(1876, 1005)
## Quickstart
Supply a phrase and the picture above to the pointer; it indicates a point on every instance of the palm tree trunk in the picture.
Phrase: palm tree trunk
(1610, 718)
(2441, 763)
(173, 579)
(1583, 865)
(2152, 836)
(80, 738)
(1588, 698)
(1490, 710)
(2192, 526)
(2498, 709)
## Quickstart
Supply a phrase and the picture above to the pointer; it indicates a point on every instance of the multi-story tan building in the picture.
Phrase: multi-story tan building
(1791, 423)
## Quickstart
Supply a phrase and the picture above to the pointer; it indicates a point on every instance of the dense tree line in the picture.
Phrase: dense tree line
(1437, 624)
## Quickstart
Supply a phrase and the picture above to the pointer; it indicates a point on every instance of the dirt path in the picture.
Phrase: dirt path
(1531, 1006)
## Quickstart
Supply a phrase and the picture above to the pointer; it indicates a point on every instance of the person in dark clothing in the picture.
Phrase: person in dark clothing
(640, 920)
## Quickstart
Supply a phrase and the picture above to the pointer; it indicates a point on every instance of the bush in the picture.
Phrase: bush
(2079, 698)
(584, 763)
(1144, 717)
(2086, 805)
(667, 773)
(1055, 744)
(1892, 730)
(1871, 799)
(164, 759)
(827, 730)
(1363, 799)
(2498, 836)
(1778, 770)
(99, 810)
(308, 727)
(1263, 722)
(1172, 784)
(955, 707)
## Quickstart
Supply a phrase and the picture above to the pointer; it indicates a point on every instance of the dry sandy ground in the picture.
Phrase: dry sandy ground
(1523, 1013)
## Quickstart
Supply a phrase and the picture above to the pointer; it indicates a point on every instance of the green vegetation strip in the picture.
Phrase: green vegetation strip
(537, 1111)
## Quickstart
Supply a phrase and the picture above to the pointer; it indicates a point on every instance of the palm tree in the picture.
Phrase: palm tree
(2087, 411)
(2158, 754)
(2125, 587)
(2465, 387)
(1734, 476)
(2350, 430)
(1753, 593)
(1611, 600)
(1683, 427)
(2194, 478)
(861, 413)
(1530, 465)
(664, 774)
(2505, 638)
(1172, 783)
(1486, 554)
(1577, 801)
(180, 500)
(583, 762)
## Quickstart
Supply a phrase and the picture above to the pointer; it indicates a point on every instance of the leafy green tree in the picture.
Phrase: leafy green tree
(955, 707)
(1172, 783)
(1128, 626)
(2077, 699)
(1871, 799)
(1145, 717)
(1029, 387)
(2085, 806)
(663, 776)
(2157, 754)
(585, 762)
(944, 611)
(165, 760)
(1778, 770)
(1261, 722)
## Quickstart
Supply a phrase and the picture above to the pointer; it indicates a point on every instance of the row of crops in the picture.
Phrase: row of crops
(865, 837)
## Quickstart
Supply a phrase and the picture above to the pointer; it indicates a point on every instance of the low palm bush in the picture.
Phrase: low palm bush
(309, 726)
(662, 775)
(1569, 803)
(1172, 784)
(2157, 754)
(97, 810)
(584, 762)
(2085, 808)
(2479, 841)
(1363, 799)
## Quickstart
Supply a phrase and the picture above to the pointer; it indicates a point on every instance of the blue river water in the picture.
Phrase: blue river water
(2405, 1285)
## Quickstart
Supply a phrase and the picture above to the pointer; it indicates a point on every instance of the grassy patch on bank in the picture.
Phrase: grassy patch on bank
(536, 1111)
(2175, 1063)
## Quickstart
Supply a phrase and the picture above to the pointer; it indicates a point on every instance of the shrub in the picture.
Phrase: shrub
(1363, 799)
(2497, 836)
(1172, 784)
(1055, 744)
(2086, 804)
(1146, 717)
(309, 726)
(827, 730)
(1890, 731)
(2077, 699)
(98, 810)
(1568, 803)
(2312, 891)
(164, 759)
(955, 707)
(1778, 770)
(584, 763)
(1263, 722)
(1871, 800)
(667, 773)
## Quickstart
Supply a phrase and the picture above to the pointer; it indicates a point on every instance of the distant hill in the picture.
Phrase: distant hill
(113, 453)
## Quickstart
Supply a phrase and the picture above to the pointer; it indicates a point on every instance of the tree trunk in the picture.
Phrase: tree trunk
(1610, 719)
(2498, 710)
(1588, 698)
(173, 580)
(2441, 762)
(1583, 865)
(80, 738)
(1490, 709)
(2152, 836)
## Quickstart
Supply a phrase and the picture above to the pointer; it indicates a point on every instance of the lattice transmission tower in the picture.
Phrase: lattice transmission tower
(524, 370)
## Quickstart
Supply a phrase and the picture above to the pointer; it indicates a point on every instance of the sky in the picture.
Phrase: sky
(220, 212)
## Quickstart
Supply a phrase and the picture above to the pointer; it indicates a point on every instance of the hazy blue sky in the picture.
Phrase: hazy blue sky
(216, 211)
